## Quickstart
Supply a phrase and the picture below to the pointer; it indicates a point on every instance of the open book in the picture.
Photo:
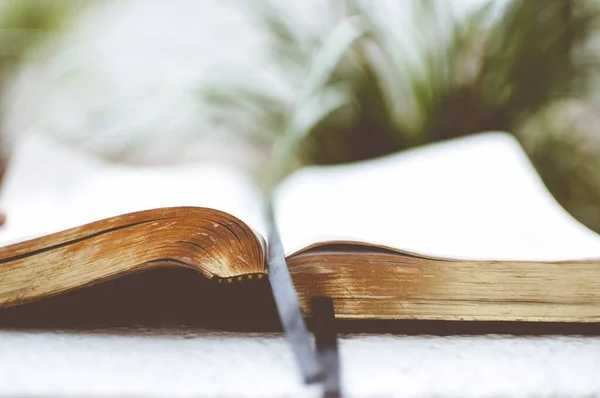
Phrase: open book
(459, 230)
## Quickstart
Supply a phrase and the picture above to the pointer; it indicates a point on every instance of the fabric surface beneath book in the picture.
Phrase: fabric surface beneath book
(195, 363)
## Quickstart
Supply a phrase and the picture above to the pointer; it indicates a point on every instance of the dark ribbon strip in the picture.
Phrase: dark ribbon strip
(327, 345)
(288, 307)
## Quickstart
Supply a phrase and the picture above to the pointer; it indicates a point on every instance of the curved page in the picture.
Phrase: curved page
(49, 188)
(477, 197)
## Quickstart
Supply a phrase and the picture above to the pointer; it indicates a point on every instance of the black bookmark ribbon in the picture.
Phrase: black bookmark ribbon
(289, 309)
(327, 345)
(320, 365)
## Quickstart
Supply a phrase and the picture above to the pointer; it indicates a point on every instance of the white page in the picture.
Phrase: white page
(49, 187)
(475, 197)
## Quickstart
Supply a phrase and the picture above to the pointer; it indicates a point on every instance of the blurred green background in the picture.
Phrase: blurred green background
(358, 80)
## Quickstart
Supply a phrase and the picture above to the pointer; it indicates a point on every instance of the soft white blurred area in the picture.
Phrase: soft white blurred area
(124, 80)
(50, 188)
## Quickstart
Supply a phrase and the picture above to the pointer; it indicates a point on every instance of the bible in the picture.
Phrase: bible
(458, 230)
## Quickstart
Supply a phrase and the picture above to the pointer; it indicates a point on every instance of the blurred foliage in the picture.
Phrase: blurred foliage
(498, 68)
(563, 140)
(24, 26)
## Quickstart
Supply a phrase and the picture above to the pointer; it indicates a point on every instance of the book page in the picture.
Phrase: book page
(476, 197)
(49, 188)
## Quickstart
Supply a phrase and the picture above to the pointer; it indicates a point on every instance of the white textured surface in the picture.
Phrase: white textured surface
(234, 364)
